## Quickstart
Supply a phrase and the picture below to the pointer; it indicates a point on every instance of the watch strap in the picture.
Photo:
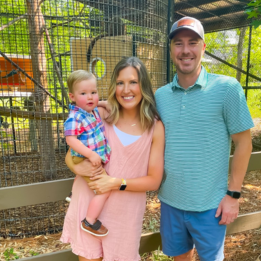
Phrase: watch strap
(123, 184)
(234, 194)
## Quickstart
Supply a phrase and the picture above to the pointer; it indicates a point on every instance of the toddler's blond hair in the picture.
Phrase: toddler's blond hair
(78, 76)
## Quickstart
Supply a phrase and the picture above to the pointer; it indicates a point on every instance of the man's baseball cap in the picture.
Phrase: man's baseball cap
(187, 23)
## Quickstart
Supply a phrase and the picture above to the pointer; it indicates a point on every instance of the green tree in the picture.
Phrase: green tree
(254, 12)
(226, 45)
(42, 29)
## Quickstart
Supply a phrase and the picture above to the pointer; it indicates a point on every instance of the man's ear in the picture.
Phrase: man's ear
(71, 96)
(204, 48)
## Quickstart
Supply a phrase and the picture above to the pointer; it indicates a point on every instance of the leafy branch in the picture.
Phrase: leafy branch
(254, 12)
(13, 21)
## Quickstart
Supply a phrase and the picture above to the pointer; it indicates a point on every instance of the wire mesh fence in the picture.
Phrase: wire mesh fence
(28, 221)
(42, 42)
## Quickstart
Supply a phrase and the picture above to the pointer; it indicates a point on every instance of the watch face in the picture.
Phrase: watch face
(236, 194)
(123, 187)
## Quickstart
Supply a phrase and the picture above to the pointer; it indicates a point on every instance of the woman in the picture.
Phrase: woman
(136, 137)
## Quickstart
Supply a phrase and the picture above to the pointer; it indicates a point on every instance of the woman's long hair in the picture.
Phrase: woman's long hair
(148, 111)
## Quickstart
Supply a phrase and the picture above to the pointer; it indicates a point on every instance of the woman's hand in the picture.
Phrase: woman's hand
(85, 168)
(104, 183)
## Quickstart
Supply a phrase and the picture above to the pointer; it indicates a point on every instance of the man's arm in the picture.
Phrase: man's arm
(229, 207)
(243, 149)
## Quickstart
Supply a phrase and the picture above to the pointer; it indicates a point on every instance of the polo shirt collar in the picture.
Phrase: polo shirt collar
(201, 81)
(76, 108)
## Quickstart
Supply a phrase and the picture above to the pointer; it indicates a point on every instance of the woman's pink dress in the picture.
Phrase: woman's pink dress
(123, 211)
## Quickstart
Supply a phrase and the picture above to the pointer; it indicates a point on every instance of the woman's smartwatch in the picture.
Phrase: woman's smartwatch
(234, 194)
(123, 184)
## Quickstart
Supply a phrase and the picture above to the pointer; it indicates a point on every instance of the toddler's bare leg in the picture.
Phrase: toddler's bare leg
(95, 207)
(91, 224)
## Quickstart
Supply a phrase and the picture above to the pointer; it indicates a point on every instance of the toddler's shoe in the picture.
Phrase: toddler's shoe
(68, 198)
(97, 229)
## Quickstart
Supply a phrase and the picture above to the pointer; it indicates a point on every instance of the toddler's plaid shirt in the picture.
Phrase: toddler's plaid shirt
(89, 129)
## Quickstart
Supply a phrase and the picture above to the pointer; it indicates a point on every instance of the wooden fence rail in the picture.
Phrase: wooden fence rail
(51, 191)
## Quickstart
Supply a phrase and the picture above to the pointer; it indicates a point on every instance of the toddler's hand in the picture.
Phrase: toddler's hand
(105, 105)
(95, 159)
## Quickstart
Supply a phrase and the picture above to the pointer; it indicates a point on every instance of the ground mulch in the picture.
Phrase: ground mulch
(245, 246)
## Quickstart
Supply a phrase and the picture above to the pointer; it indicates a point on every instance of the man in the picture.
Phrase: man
(201, 113)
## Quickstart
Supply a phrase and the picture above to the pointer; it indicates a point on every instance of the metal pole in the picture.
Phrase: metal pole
(13, 127)
(168, 47)
(248, 58)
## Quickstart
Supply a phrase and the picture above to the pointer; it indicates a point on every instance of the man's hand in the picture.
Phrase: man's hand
(228, 208)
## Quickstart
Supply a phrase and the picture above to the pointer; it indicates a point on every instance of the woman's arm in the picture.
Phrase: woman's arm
(85, 168)
(152, 181)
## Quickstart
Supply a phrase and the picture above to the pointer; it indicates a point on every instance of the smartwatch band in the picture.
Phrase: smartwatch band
(123, 184)
(234, 194)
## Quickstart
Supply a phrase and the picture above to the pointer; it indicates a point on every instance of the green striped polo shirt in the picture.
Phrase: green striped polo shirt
(198, 124)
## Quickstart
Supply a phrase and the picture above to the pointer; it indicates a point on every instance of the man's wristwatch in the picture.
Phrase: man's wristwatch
(123, 184)
(233, 194)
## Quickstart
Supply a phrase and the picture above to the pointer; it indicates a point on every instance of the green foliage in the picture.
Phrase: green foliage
(99, 68)
(156, 256)
(220, 44)
(254, 103)
(67, 19)
(15, 32)
(3, 134)
(6, 141)
(9, 254)
(159, 256)
(254, 12)
(33, 253)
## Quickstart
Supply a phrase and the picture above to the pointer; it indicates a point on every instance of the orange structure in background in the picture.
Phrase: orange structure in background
(11, 79)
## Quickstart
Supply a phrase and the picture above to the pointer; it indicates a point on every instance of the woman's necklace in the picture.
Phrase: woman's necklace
(124, 122)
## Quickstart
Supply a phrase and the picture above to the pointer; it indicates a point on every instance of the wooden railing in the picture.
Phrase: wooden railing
(38, 193)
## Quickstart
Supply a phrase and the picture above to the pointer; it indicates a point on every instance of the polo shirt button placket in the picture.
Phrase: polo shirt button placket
(183, 106)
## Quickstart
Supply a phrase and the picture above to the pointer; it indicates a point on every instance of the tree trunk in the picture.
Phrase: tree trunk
(240, 51)
(42, 102)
